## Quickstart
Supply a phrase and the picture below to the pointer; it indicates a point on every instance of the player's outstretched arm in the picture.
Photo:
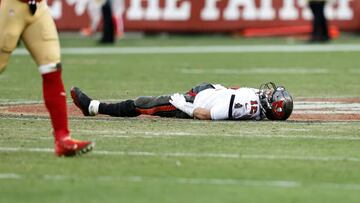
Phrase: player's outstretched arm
(180, 103)
(202, 114)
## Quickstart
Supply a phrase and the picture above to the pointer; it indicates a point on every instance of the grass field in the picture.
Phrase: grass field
(170, 160)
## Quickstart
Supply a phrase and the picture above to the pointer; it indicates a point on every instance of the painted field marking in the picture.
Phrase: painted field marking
(190, 181)
(204, 49)
(99, 134)
(324, 105)
(354, 71)
(197, 155)
(254, 183)
(9, 176)
(150, 134)
(331, 108)
(7, 102)
(295, 137)
(113, 119)
(335, 112)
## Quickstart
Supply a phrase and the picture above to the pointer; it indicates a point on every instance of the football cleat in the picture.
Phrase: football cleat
(81, 100)
(71, 147)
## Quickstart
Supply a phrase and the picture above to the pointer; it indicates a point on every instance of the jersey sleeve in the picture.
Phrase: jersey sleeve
(220, 111)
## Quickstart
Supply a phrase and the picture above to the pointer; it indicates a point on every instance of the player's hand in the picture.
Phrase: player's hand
(177, 100)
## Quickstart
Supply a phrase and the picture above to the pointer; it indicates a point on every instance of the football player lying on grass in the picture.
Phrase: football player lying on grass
(205, 102)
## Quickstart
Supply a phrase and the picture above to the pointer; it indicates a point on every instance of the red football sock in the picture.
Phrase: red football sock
(55, 101)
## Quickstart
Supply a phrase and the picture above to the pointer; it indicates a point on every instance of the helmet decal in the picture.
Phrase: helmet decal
(277, 109)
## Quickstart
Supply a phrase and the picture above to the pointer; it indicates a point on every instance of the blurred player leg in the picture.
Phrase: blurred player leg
(11, 26)
(42, 42)
(94, 12)
(324, 24)
(41, 39)
(118, 10)
(319, 24)
(108, 35)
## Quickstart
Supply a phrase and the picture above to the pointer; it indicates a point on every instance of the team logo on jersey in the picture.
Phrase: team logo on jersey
(238, 106)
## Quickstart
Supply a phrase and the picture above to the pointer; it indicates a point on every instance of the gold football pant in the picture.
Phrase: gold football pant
(38, 32)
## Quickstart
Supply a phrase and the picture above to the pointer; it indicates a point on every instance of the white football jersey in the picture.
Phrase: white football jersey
(224, 103)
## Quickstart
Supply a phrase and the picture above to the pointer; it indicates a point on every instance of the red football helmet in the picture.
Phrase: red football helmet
(276, 101)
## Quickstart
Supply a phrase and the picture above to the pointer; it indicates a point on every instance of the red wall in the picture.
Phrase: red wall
(345, 15)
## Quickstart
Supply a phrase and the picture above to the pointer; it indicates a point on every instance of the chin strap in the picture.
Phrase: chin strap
(264, 104)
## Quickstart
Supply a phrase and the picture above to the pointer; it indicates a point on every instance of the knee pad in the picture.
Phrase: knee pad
(142, 101)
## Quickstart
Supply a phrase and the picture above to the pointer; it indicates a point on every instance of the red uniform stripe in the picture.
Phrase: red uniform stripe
(154, 110)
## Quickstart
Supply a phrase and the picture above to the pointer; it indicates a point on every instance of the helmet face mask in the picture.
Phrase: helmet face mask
(268, 88)
(278, 103)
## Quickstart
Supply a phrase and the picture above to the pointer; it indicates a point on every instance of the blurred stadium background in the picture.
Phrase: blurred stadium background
(234, 16)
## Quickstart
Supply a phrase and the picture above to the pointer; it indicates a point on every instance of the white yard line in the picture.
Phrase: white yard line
(159, 134)
(7, 102)
(168, 134)
(189, 181)
(306, 107)
(204, 49)
(323, 105)
(330, 112)
(197, 155)
(191, 121)
(9, 176)
(254, 183)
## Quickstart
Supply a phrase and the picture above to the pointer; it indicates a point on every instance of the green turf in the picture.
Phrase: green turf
(169, 160)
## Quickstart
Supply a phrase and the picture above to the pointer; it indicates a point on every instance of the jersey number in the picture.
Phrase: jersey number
(254, 107)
